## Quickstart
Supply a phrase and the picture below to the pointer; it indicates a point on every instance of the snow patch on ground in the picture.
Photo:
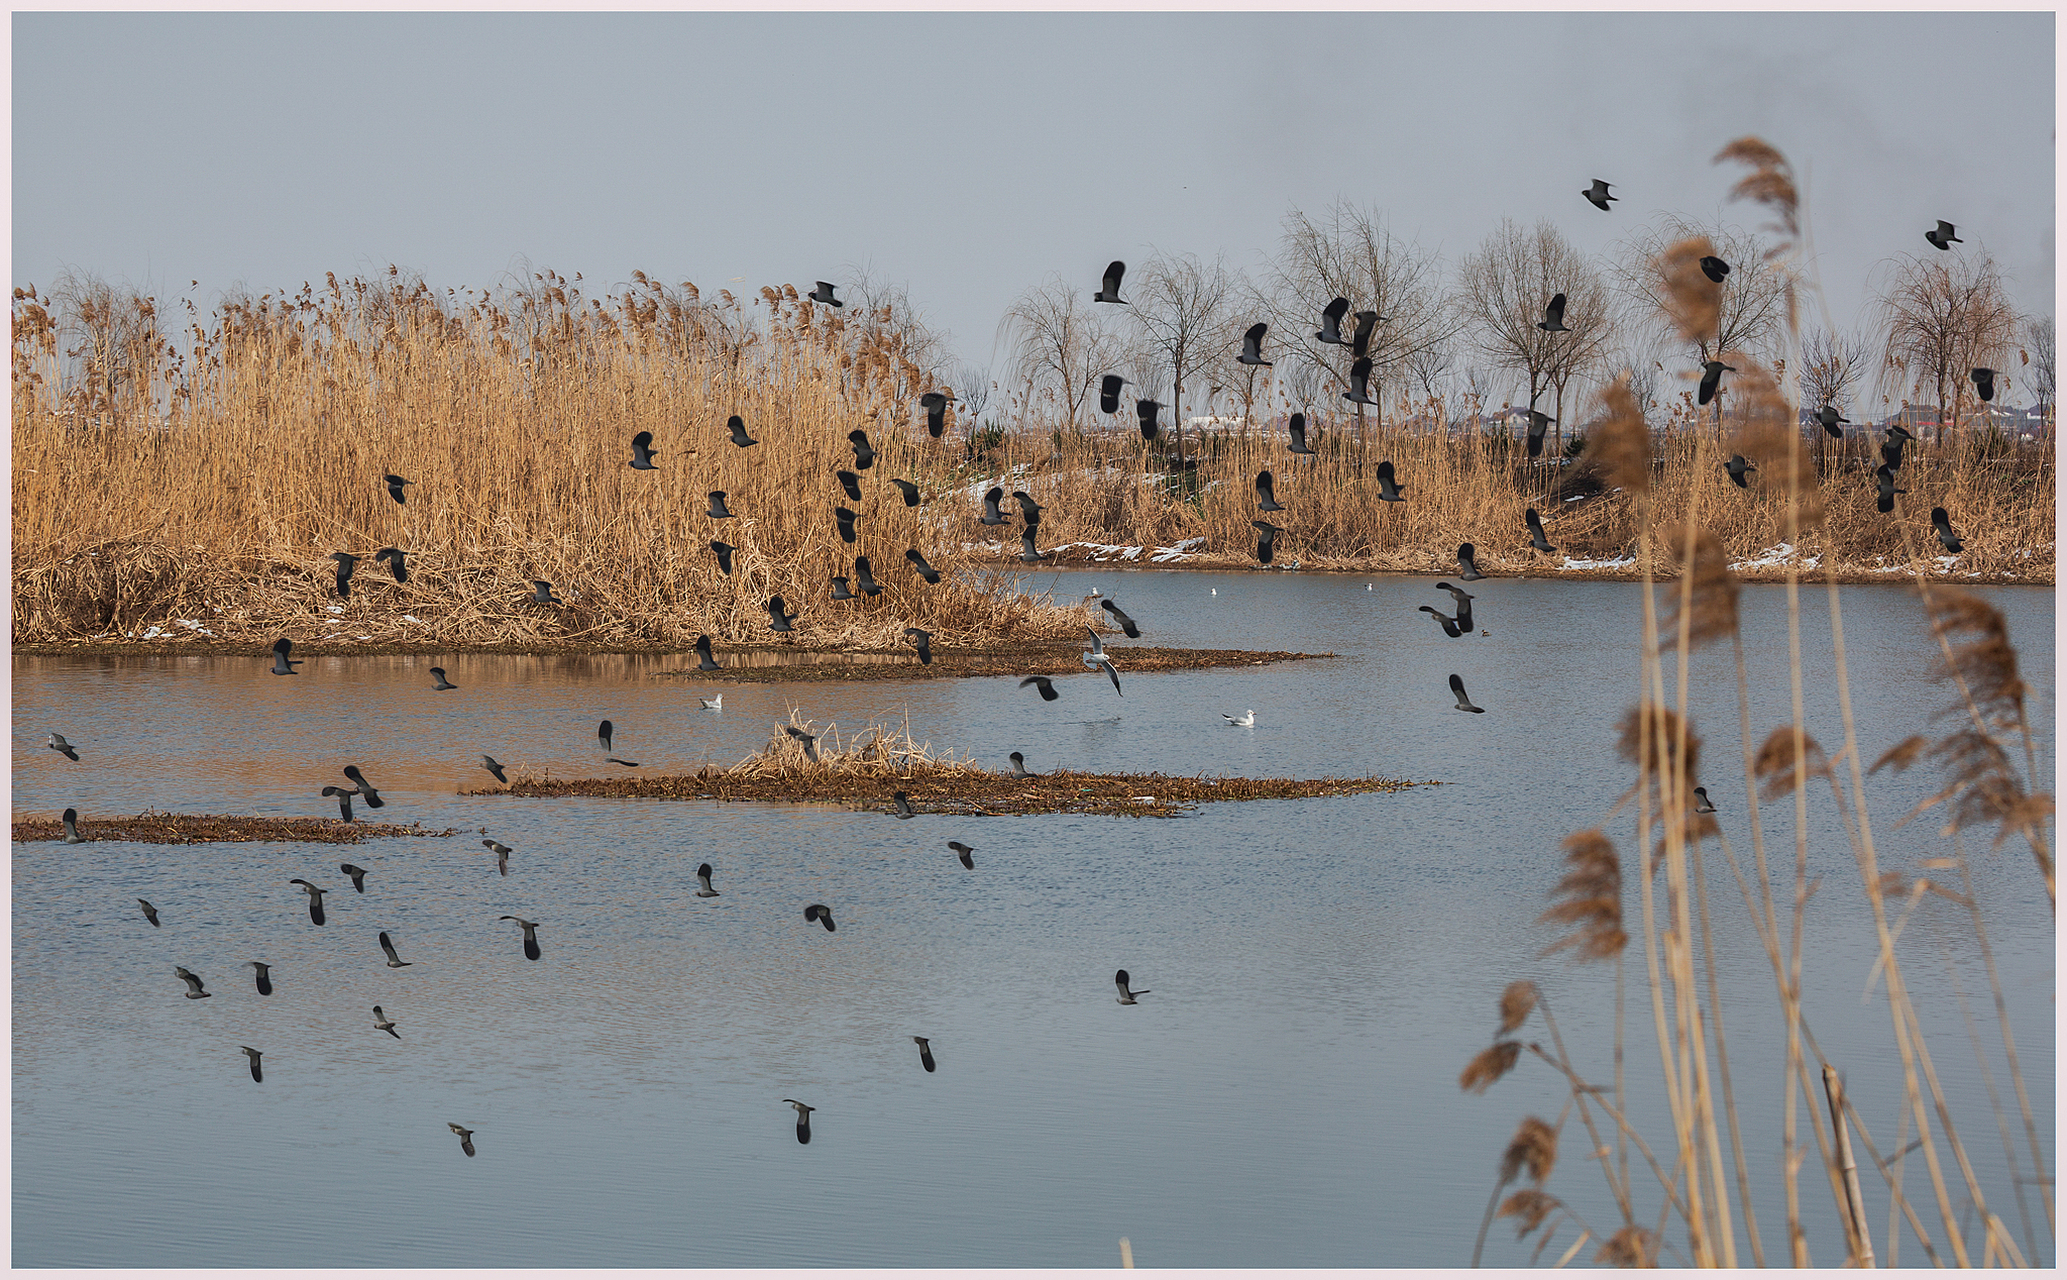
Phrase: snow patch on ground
(1179, 551)
(1101, 551)
(1598, 564)
(1775, 556)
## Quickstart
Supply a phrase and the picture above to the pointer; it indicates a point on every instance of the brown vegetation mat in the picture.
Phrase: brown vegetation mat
(1026, 660)
(218, 828)
(946, 787)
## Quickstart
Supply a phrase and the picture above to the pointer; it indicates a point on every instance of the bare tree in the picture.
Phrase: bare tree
(1181, 304)
(2038, 339)
(1504, 287)
(1831, 366)
(1940, 319)
(115, 344)
(1751, 309)
(1058, 344)
(973, 388)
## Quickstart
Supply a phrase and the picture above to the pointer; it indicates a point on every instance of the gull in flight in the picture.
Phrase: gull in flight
(1097, 658)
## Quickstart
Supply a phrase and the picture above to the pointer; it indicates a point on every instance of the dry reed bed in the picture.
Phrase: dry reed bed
(216, 828)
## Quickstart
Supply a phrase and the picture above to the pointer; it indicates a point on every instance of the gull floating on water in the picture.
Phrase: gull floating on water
(1245, 720)
(713, 704)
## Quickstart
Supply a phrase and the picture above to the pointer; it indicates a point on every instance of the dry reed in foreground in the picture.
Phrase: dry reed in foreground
(216, 828)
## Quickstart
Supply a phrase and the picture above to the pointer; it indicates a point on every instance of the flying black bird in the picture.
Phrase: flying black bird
(1127, 994)
(1360, 383)
(397, 562)
(344, 804)
(1538, 424)
(394, 961)
(1714, 268)
(991, 514)
(315, 899)
(466, 1136)
(1831, 421)
(1943, 524)
(1019, 762)
(1885, 478)
(704, 661)
(150, 913)
(840, 591)
(723, 551)
(70, 819)
(1360, 341)
(1942, 236)
(1737, 466)
(1461, 602)
(935, 405)
(864, 581)
(257, 1076)
(1598, 195)
(1145, 410)
(925, 1051)
(265, 976)
(1109, 288)
(844, 519)
(737, 425)
(282, 664)
(1703, 805)
(1044, 684)
(1109, 392)
(923, 640)
(606, 733)
(1553, 320)
(910, 491)
(778, 617)
(542, 593)
(1252, 346)
(373, 800)
(1536, 538)
(1984, 383)
(1463, 701)
(717, 509)
(382, 1022)
(502, 856)
(1029, 510)
(918, 562)
(1028, 552)
(1449, 623)
(1297, 427)
(1891, 445)
(395, 484)
(58, 744)
(494, 766)
(810, 743)
(438, 674)
(819, 913)
(530, 928)
(824, 293)
(963, 852)
(358, 875)
(346, 562)
(1266, 498)
(1331, 322)
(1711, 379)
(1127, 624)
(1097, 660)
(1388, 489)
(642, 452)
(864, 456)
(703, 882)
(900, 806)
(1266, 540)
(803, 1120)
(193, 981)
(851, 483)
(1467, 561)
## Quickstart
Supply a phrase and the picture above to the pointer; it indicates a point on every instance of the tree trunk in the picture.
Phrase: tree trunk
(1177, 409)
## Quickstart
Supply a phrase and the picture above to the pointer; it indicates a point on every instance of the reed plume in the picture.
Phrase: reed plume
(1516, 1003)
(1629, 1247)
(1692, 301)
(1592, 893)
(1712, 604)
(1488, 1065)
(1529, 1208)
(1774, 764)
(1621, 444)
(1664, 744)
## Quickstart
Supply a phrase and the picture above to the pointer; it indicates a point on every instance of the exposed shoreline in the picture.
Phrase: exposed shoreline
(216, 828)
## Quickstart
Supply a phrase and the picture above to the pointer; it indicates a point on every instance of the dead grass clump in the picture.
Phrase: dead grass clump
(213, 828)
(1768, 434)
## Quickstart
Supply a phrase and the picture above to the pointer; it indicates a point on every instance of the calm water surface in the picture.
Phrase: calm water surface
(1287, 1095)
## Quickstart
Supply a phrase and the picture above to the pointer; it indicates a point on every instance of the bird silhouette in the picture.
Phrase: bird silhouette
(840, 591)
(723, 551)
(1536, 538)
(1044, 684)
(1711, 379)
(824, 293)
(1538, 424)
(1029, 553)
(703, 881)
(150, 913)
(1297, 428)
(394, 961)
(396, 560)
(717, 509)
(925, 1051)
(851, 483)
(1388, 488)
(1942, 235)
(918, 562)
(357, 873)
(864, 455)
(257, 1076)
(935, 405)
(1553, 320)
(1463, 701)
(1702, 805)
(530, 928)
(1029, 510)
(494, 766)
(502, 855)
(803, 1120)
(344, 802)
(1461, 602)
(58, 744)
(717, 703)
(704, 660)
(1109, 392)
(466, 1136)
(1984, 383)
(265, 976)
(282, 664)
(1831, 421)
(1127, 624)
(809, 742)
(382, 1022)
(606, 734)
(395, 482)
(1246, 720)
(991, 514)
(373, 800)
(964, 852)
(542, 593)
(909, 490)
(438, 674)
(1109, 288)
(1252, 346)
(1467, 562)
(70, 820)
(1360, 340)
(1449, 623)
(193, 981)
(346, 562)
(900, 806)
(1145, 410)
(778, 618)
(1097, 659)
(1127, 994)
(1714, 268)
(1598, 196)
(923, 641)
(1331, 322)
(642, 452)
(1266, 540)
(844, 519)
(864, 581)
(1943, 524)
(1737, 466)
(819, 913)
(315, 900)
(737, 426)
(1019, 763)
(1891, 443)
(1360, 383)
(1884, 477)
(1266, 497)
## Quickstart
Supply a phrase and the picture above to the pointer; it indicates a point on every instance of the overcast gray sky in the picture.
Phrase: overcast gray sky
(969, 155)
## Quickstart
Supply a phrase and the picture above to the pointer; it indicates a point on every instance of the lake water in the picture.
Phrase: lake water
(1287, 1095)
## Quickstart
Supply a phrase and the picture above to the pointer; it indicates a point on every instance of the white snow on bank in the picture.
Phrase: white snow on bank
(1597, 564)
(1773, 557)
(1184, 550)
(1100, 551)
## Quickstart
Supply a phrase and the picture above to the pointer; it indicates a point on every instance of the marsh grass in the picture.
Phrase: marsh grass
(215, 828)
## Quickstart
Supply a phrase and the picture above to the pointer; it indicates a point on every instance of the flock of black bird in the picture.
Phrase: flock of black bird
(1460, 623)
